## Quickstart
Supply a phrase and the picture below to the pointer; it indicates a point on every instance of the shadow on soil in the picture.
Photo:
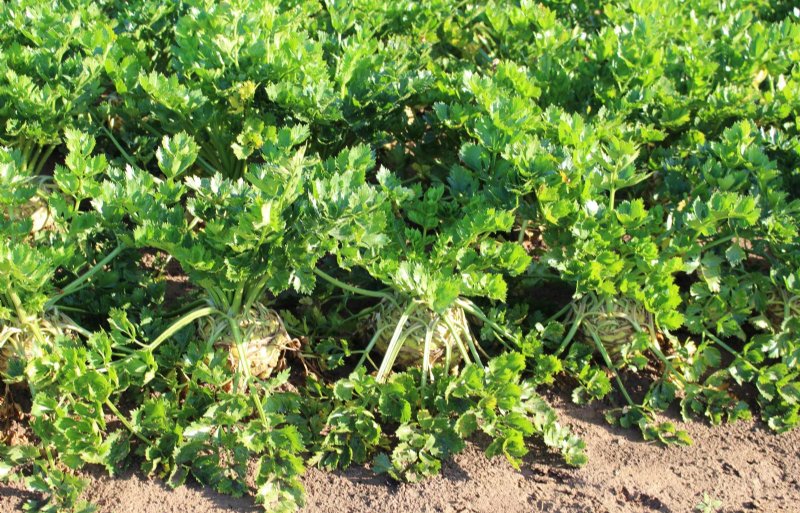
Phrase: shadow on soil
(16, 496)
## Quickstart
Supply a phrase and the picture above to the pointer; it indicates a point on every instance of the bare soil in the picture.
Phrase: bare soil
(743, 465)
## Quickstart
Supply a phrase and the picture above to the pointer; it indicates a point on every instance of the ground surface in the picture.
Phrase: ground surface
(743, 465)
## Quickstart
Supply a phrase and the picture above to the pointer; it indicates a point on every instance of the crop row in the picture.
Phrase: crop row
(332, 233)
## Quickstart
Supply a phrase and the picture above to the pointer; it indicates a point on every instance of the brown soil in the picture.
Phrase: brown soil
(743, 465)
(169, 271)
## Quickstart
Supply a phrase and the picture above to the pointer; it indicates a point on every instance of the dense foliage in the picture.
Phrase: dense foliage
(298, 233)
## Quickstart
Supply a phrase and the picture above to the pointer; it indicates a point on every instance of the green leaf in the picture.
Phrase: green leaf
(735, 254)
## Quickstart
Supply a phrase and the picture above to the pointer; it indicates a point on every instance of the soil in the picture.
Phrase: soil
(743, 465)
(169, 271)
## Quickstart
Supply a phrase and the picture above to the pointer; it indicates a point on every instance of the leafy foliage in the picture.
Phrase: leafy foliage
(429, 423)
(490, 194)
(52, 55)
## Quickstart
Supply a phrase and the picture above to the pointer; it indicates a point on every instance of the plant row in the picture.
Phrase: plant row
(333, 233)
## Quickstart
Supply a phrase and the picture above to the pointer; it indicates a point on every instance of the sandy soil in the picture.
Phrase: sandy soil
(743, 465)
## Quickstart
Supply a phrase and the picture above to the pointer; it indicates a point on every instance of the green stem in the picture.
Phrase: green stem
(216, 152)
(653, 346)
(125, 422)
(718, 242)
(464, 325)
(49, 455)
(182, 323)
(573, 329)
(394, 346)
(72, 325)
(119, 147)
(33, 160)
(661, 356)
(787, 310)
(470, 307)
(611, 198)
(42, 159)
(522, 229)
(363, 313)
(205, 165)
(24, 318)
(371, 345)
(74, 286)
(602, 350)
(728, 348)
(25, 148)
(467, 337)
(426, 352)
(219, 329)
(448, 356)
(351, 288)
(245, 367)
(236, 305)
(255, 293)
(217, 297)
(186, 308)
(558, 314)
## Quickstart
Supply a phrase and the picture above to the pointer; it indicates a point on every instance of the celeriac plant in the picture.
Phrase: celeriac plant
(431, 252)
(56, 237)
(228, 236)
